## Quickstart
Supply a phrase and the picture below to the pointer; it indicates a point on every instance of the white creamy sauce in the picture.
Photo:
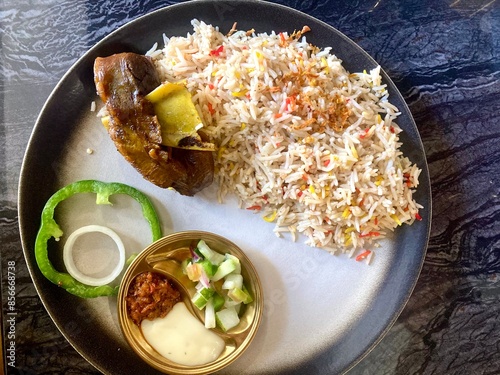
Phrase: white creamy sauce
(182, 338)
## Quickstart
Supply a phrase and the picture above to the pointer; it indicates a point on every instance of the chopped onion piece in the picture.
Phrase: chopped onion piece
(70, 264)
(204, 280)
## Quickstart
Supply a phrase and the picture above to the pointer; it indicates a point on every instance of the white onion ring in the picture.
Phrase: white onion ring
(70, 264)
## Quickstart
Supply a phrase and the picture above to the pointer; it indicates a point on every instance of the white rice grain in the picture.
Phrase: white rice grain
(297, 134)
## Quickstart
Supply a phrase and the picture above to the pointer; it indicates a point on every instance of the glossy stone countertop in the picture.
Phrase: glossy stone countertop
(444, 56)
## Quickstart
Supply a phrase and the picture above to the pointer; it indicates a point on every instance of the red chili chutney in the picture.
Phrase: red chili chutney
(150, 295)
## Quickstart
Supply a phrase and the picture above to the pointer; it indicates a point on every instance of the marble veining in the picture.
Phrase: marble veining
(443, 55)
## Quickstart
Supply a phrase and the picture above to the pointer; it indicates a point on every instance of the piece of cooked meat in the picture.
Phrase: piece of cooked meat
(122, 81)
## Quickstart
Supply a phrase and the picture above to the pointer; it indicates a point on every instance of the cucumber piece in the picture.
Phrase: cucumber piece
(213, 256)
(236, 306)
(210, 314)
(225, 268)
(249, 296)
(233, 281)
(227, 319)
(209, 268)
(240, 295)
(230, 303)
(236, 261)
(218, 301)
(199, 300)
(207, 293)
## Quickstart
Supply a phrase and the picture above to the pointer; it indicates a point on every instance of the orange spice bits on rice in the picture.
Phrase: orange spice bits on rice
(307, 145)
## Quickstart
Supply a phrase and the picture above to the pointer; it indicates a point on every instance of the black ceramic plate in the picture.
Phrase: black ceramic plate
(322, 313)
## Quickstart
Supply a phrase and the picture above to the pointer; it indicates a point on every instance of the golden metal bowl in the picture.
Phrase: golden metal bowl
(165, 256)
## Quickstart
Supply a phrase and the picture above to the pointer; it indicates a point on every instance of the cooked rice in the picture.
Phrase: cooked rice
(307, 145)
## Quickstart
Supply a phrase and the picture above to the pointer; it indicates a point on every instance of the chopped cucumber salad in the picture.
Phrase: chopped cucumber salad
(220, 289)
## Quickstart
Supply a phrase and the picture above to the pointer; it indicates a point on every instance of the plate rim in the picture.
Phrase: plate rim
(32, 268)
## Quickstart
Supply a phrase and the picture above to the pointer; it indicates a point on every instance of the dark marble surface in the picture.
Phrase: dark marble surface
(444, 56)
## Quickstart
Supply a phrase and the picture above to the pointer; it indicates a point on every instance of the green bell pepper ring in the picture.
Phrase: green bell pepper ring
(49, 228)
